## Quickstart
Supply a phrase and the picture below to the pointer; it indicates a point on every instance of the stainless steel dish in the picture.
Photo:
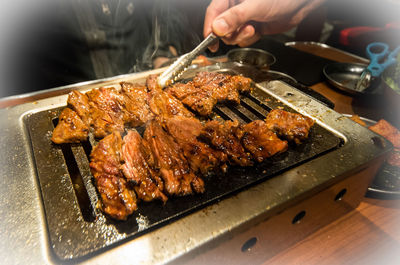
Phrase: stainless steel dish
(345, 76)
(251, 56)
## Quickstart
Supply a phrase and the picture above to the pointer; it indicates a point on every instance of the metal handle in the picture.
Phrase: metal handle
(179, 66)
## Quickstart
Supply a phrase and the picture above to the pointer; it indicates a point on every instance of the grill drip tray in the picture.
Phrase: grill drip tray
(77, 228)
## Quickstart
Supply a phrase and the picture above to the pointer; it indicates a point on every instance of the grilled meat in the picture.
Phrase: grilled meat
(106, 110)
(70, 128)
(79, 102)
(394, 158)
(392, 134)
(117, 197)
(201, 157)
(242, 83)
(219, 84)
(291, 126)
(164, 106)
(147, 183)
(226, 138)
(74, 121)
(175, 145)
(194, 97)
(207, 89)
(152, 83)
(169, 159)
(136, 107)
(260, 141)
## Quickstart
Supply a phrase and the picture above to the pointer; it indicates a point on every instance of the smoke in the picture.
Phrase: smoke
(171, 28)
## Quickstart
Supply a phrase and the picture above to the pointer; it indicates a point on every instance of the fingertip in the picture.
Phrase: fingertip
(220, 27)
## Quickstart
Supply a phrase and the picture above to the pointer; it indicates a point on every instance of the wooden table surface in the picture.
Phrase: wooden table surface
(368, 235)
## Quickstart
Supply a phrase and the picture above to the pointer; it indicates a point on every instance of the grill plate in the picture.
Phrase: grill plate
(76, 228)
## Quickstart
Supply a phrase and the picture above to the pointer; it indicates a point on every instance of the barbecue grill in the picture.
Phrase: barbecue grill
(49, 201)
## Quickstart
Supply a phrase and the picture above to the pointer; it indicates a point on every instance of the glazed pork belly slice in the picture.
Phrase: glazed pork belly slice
(201, 157)
(136, 107)
(117, 197)
(147, 183)
(70, 128)
(225, 137)
(260, 141)
(291, 126)
(107, 111)
(168, 158)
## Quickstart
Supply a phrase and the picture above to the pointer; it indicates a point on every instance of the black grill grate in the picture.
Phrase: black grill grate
(77, 228)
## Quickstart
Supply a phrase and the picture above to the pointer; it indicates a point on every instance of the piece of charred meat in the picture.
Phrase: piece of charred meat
(226, 138)
(117, 197)
(260, 141)
(152, 83)
(221, 86)
(106, 110)
(136, 104)
(165, 105)
(70, 128)
(147, 183)
(201, 157)
(291, 126)
(79, 102)
(385, 129)
(74, 121)
(392, 134)
(243, 84)
(207, 89)
(169, 159)
(194, 97)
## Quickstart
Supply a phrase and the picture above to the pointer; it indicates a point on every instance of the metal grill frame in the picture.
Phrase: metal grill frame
(361, 149)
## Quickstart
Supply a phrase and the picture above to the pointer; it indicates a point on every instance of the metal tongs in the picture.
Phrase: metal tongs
(175, 70)
(377, 52)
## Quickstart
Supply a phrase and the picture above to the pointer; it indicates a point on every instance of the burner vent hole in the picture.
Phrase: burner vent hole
(379, 142)
(340, 194)
(249, 244)
(298, 217)
(289, 94)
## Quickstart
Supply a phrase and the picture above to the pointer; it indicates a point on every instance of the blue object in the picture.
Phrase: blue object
(377, 51)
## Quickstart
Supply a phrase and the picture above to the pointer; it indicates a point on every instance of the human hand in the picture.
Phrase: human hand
(242, 22)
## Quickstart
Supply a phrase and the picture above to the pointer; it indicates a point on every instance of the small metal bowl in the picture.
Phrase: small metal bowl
(344, 76)
(251, 56)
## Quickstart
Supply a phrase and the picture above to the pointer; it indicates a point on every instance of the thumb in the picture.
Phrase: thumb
(233, 18)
